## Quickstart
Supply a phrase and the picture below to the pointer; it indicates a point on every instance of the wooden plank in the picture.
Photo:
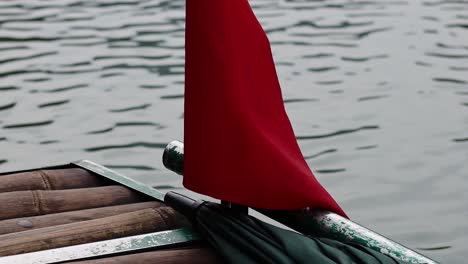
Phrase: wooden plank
(58, 179)
(128, 224)
(35, 222)
(200, 255)
(32, 203)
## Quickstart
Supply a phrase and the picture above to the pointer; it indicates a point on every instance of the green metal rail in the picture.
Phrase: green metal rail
(106, 248)
(317, 222)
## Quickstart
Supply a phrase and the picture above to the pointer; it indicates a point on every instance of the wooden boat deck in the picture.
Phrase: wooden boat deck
(64, 206)
(86, 213)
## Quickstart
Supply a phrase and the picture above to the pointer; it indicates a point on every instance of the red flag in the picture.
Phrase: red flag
(239, 143)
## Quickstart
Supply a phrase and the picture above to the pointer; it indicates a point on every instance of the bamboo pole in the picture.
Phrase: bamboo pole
(128, 224)
(29, 223)
(202, 255)
(58, 179)
(32, 203)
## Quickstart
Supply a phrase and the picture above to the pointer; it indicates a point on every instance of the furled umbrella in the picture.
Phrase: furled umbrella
(240, 238)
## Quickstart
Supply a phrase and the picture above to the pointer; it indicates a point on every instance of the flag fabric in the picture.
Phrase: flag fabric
(239, 143)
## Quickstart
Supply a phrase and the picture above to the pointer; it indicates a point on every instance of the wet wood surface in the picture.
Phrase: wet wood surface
(39, 202)
(203, 255)
(128, 224)
(59, 179)
(35, 222)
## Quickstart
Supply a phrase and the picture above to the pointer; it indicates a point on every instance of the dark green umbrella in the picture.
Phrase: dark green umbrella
(241, 238)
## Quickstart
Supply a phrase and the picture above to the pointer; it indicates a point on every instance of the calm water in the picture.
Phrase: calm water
(377, 92)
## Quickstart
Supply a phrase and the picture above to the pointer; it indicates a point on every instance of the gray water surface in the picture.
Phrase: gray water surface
(377, 92)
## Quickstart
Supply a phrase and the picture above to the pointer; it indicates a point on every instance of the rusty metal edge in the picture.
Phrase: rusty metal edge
(106, 248)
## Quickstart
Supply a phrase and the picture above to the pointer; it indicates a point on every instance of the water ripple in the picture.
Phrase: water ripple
(161, 69)
(448, 46)
(299, 100)
(367, 147)
(374, 97)
(450, 80)
(18, 72)
(55, 103)
(110, 57)
(43, 39)
(322, 69)
(13, 48)
(150, 86)
(132, 108)
(455, 68)
(337, 133)
(172, 96)
(126, 146)
(328, 151)
(447, 56)
(7, 106)
(67, 88)
(48, 142)
(333, 82)
(28, 57)
(77, 64)
(43, 79)
(26, 125)
(330, 171)
(126, 124)
(464, 26)
(116, 28)
(434, 248)
(318, 56)
(324, 44)
(364, 59)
